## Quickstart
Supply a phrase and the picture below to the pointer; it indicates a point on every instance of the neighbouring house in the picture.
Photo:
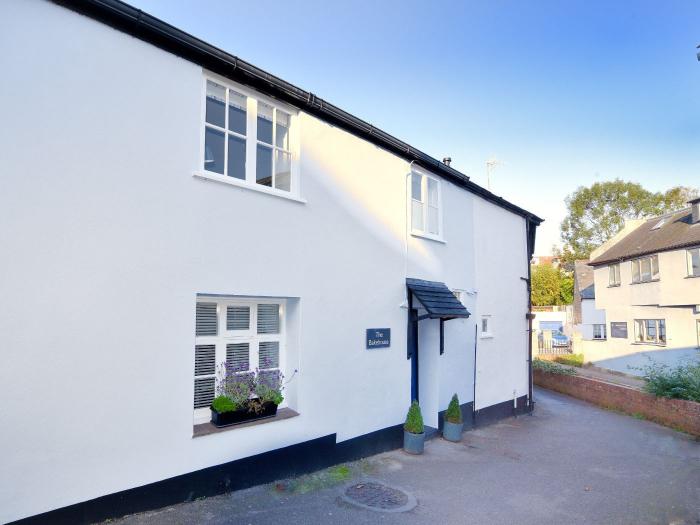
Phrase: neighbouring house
(168, 208)
(647, 280)
(589, 321)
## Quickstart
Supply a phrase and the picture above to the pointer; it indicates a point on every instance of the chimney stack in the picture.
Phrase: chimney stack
(695, 208)
(446, 161)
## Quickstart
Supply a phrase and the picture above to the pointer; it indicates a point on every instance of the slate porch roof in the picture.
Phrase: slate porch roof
(437, 299)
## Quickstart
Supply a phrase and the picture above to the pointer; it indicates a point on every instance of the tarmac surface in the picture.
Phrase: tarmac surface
(568, 463)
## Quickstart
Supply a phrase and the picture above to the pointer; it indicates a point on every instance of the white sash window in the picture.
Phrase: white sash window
(425, 206)
(248, 139)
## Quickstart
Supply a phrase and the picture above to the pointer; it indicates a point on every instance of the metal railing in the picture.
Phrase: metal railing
(552, 347)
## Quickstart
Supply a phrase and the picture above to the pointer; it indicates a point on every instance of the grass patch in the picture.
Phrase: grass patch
(552, 368)
(570, 359)
(326, 478)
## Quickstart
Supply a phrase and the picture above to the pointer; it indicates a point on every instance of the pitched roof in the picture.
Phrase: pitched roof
(672, 231)
(583, 280)
(148, 28)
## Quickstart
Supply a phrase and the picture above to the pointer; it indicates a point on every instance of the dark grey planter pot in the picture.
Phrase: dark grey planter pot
(452, 431)
(413, 443)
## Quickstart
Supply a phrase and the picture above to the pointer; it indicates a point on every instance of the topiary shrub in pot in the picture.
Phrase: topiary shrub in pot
(453, 425)
(414, 430)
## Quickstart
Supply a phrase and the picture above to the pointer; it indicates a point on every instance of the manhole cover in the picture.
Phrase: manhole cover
(377, 496)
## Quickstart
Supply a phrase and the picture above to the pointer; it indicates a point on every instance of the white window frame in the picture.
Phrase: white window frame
(689, 256)
(641, 332)
(601, 332)
(614, 275)
(638, 265)
(251, 336)
(424, 202)
(251, 136)
(489, 327)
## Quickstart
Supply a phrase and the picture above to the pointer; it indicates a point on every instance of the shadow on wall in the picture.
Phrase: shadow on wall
(672, 357)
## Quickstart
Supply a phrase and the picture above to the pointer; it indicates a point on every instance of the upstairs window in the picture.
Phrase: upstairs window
(614, 275)
(694, 262)
(425, 205)
(247, 139)
(645, 269)
(225, 131)
(273, 157)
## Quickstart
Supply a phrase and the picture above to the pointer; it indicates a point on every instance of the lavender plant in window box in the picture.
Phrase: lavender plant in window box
(245, 396)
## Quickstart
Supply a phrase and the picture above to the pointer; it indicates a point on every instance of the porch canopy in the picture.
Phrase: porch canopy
(437, 299)
(439, 303)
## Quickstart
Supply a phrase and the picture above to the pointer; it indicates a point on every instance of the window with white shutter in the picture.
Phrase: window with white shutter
(241, 334)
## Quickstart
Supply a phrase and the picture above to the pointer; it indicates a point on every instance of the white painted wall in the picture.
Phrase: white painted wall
(670, 298)
(108, 238)
(590, 315)
(501, 264)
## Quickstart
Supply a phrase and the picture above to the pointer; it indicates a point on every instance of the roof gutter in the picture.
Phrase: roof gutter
(135, 22)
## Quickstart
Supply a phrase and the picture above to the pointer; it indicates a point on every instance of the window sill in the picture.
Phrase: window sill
(486, 336)
(428, 237)
(692, 276)
(647, 282)
(600, 339)
(206, 429)
(613, 286)
(231, 181)
(649, 344)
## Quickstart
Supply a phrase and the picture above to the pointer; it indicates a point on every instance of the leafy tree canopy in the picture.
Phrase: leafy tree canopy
(551, 286)
(597, 213)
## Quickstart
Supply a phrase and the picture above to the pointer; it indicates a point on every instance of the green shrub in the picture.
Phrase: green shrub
(414, 420)
(681, 382)
(266, 394)
(454, 413)
(223, 404)
(570, 359)
(552, 368)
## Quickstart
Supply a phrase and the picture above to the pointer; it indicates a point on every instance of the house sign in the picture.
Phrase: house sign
(378, 338)
(618, 330)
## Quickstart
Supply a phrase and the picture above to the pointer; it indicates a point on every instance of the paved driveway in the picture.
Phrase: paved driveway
(570, 462)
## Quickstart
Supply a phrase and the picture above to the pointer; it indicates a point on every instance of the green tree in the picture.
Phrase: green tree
(551, 286)
(597, 213)
(546, 285)
(566, 289)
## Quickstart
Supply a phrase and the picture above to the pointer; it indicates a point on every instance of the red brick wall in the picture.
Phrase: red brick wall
(674, 413)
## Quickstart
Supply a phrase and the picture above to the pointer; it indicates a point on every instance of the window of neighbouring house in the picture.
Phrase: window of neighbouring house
(645, 269)
(650, 331)
(244, 334)
(614, 275)
(425, 205)
(694, 262)
(247, 139)
(599, 331)
(486, 327)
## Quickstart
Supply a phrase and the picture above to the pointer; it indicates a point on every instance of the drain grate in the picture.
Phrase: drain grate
(377, 496)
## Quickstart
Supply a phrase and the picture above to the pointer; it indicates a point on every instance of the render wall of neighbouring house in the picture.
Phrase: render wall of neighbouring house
(670, 298)
(108, 238)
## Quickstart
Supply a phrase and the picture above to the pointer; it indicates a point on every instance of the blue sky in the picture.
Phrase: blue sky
(563, 93)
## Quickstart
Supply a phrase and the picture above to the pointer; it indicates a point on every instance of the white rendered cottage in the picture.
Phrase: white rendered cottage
(166, 207)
